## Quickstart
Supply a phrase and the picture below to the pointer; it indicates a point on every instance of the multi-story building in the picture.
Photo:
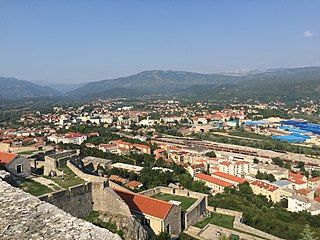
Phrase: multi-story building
(228, 177)
(297, 203)
(236, 168)
(196, 168)
(215, 184)
(269, 190)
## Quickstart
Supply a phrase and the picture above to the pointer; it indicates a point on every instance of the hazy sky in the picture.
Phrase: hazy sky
(76, 41)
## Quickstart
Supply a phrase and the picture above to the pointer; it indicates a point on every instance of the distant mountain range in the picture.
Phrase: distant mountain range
(151, 82)
(283, 82)
(12, 88)
(65, 87)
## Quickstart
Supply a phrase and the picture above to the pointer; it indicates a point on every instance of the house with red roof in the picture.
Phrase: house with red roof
(68, 138)
(14, 163)
(271, 191)
(156, 215)
(134, 185)
(132, 146)
(214, 183)
(298, 183)
(314, 182)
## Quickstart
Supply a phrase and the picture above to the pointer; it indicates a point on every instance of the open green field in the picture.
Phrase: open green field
(186, 202)
(34, 187)
(218, 219)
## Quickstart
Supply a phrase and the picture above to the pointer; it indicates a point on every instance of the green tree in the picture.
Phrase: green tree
(307, 234)
(162, 236)
(211, 154)
(223, 237)
(278, 161)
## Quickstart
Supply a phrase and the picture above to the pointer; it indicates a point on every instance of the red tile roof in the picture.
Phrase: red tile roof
(303, 191)
(133, 184)
(314, 179)
(73, 135)
(213, 180)
(295, 175)
(296, 181)
(242, 162)
(146, 205)
(317, 199)
(226, 163)
(195, 166)
(229, 177)
(6, 158)
(264, 185)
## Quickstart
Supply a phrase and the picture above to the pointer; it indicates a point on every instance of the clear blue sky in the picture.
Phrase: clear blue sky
(77, 41)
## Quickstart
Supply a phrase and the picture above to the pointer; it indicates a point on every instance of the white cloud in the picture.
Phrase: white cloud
(308, 34)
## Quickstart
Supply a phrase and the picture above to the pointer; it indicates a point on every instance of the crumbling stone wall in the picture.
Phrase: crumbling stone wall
(76, 200)
(86, 177)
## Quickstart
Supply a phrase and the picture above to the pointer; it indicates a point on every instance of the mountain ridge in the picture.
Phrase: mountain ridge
(13, 88)
(280, 82)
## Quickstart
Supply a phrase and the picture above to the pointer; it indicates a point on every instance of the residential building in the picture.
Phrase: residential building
(297, 203)
(278, 172)
(228, 177)
(267, 189)
(196, 168)
(127, 167)
(298, 183)
(214, 183)
(314, 182)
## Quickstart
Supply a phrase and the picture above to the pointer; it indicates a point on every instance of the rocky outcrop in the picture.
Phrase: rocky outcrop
(131, 228)
(23, 216)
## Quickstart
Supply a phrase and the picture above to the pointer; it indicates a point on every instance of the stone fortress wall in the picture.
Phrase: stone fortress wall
(84, 176)
(76, 200)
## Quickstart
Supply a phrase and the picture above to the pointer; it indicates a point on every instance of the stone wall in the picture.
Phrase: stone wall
(24, 216)
(76, 200)
(106, 200)
(211, 231)
(174, 219)
(86, 177)
(193, 214)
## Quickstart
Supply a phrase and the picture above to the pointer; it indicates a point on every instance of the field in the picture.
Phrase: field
(186, 202)
(217, 219)
(34, 187)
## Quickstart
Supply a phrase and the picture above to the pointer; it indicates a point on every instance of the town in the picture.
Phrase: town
(171, 168)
